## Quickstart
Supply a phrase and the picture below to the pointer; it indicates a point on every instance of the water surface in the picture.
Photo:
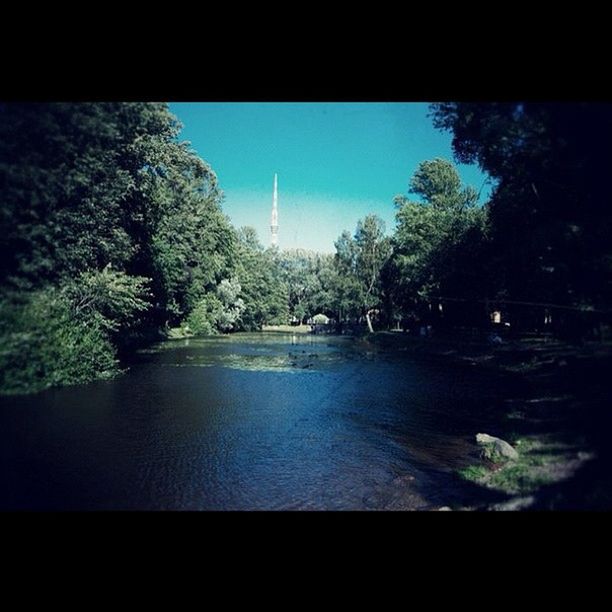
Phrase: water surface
(248, 421)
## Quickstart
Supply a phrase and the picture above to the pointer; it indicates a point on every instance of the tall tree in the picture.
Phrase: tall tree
(302, 272)
(431, 233)
(550, 215)
(100, 200)
(262, 289)
(359, 261)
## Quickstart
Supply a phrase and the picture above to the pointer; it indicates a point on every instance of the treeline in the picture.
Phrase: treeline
(549, 214)
(388, 280)
(109, 229)
(538, 252)
(112, 232)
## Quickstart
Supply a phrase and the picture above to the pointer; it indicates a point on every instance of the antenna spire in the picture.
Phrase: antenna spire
(274, 221)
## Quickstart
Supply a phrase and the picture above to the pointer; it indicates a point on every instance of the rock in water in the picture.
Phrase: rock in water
(497, 445)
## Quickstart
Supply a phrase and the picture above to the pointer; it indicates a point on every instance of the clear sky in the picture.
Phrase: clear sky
(336, 162)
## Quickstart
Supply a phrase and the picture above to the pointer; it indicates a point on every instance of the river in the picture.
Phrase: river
(249, 422)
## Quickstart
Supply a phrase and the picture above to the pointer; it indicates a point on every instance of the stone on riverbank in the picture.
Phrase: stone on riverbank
(516, 503)
(496, 446)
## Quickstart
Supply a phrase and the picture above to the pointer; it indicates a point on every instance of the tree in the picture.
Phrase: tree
(359, 261)
(192, 249)
(373, 250)
(67, 335)
(233, 306)
(302, 273)
(98, 197)
(550, 218)
(217, 311)
(432, 233)
(438, 183)
(262, 289)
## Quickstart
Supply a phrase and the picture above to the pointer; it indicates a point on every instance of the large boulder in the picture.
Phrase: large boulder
(496, 446)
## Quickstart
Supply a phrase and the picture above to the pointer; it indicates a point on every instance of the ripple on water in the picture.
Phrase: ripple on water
(229, 423)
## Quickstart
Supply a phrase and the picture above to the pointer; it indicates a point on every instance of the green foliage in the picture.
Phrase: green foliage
(192, 248)
(44, 344)
(74, 194)
(534, 467)
(434, 237)
(518, 479)
(113, 298)
(264, 294)
(306, 276)
(344, 283)
(372, 250)
(202, 320)
(62, 336)
(358, 264)
(106, 186)
(219, 311)
(109, 226)
(550, 218)
(474, 473)
(92, 184)
(438, 183)
(228, 293)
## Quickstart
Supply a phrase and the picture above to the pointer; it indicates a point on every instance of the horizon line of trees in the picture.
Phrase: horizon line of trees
(112, 233)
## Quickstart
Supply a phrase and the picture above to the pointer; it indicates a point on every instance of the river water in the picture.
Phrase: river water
(249, 422)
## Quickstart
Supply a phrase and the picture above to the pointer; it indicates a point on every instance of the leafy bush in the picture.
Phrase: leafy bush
(202, 320)
(44, 345)
(62, 335)
(232, 305)
(112, 297)
(219, 311)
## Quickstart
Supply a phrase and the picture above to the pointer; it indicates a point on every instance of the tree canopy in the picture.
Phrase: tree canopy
(550, 217)
(112, 232)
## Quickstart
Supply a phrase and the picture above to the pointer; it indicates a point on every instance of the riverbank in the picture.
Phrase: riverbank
(288, 329)
(558, 421)
(179, 333)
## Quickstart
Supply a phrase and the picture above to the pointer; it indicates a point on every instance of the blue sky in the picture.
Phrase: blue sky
(336, 162)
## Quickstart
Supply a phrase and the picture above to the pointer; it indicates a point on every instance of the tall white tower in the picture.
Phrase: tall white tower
(274, 222)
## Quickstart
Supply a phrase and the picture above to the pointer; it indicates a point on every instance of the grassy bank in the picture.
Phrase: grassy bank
(288, 329)
(174, 333)
(544, 460)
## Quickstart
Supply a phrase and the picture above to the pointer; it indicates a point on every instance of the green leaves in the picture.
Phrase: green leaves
(44, 344)
(202, 320)
(429, 234)
(306, 275)
(113, 297)
(358, 263)
(551, 165)
(264, 293)
(437, 182)
(108, 216)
